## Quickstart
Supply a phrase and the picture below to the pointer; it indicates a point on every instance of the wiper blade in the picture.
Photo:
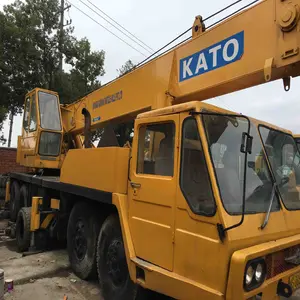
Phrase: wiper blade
(274, 187)
(266, 220)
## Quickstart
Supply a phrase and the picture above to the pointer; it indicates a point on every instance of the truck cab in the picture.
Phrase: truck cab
(40, 144)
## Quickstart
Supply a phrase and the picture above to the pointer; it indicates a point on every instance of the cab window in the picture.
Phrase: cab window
(156, 149)
(194, 178)
(33, 121)
(26, 114)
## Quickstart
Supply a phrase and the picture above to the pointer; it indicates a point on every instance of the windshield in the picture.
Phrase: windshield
(284, 159)
(224, 135)
(49, 112)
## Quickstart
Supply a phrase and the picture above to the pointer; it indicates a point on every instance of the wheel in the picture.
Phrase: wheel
(14, 203)
(1, 181)
(82, 234)
(23, 196)
(112, 267)
(23, 229)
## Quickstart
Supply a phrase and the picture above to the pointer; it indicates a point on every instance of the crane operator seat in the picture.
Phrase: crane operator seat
(165, 157)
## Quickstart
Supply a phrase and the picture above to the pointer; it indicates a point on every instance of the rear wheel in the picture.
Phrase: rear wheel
(24, 196)
(111, 263)
(14, 203)
(23, 229)
(83, 230)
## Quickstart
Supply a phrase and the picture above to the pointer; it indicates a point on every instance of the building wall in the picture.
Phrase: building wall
(8, 161)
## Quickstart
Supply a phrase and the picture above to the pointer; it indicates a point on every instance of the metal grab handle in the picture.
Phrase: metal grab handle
(135, 185)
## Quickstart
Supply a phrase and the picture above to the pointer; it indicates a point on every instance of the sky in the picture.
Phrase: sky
(156, 23)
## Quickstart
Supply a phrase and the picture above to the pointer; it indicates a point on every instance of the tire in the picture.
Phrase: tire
(82, 234)
(24, 196)
(2, 181)
(14, 203)
(112, 267)
(23, 229)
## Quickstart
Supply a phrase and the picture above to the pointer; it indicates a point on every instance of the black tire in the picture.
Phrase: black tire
(112, 267)
(82, 234)
(23, 229)
(24, 196)
(14, 203)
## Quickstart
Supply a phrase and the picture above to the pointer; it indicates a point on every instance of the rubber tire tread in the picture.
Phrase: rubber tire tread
(111, 230)
(3, 180)
(14, 203)
(24, 216)
(86, 268)
(24, 196)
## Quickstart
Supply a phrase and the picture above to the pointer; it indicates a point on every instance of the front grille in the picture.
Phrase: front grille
(276, 263)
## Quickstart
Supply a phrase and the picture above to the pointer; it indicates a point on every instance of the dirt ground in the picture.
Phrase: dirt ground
(56, 288)
(43, 276)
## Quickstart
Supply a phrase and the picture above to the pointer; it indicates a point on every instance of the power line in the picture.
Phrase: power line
(106, 28)
(120, 25)
(115, 26)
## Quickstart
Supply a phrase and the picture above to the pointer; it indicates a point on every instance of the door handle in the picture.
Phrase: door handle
(135, 185)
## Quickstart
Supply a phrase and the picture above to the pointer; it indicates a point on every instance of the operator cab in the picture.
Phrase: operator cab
(39, 146)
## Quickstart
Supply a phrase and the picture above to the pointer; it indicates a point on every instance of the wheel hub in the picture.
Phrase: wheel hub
(80, 241)
(116, 263)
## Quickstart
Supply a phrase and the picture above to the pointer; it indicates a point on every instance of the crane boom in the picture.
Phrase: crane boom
(258, 45)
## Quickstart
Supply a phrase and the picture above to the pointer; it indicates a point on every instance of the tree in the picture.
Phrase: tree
(87, 65)
(126, 68)
(29, 55)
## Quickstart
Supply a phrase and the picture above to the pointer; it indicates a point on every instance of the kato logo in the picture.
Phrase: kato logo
(216, 56)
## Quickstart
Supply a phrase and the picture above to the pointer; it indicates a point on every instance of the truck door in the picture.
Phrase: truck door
(152, 188)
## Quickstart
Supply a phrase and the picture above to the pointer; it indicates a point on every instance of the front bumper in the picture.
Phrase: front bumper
(268, 290)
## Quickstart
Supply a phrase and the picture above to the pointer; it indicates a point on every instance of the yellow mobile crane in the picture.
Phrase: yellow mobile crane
(202, 204)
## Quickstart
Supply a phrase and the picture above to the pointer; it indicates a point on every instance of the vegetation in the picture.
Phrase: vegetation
(30, 55)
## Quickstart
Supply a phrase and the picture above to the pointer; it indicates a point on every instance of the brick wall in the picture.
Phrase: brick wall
(8, 161)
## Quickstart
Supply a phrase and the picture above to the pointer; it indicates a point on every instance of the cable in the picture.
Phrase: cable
(221, 10)
(185, 40)
(163, 47)
(209, 17)
(106, 29)
(119, 25)
(114, 26)
(235, 12)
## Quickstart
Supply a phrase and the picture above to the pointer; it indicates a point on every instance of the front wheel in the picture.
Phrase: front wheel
(112, 267)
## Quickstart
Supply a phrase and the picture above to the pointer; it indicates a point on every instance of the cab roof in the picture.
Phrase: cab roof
(198, 106)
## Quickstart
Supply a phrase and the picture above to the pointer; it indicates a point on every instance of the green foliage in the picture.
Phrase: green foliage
(126, 68)
(30, 52)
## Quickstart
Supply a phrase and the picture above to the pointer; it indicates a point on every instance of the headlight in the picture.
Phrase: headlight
(249, 275)
(255, 273)
(259, 272)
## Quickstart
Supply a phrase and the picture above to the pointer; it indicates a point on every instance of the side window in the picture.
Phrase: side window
(26, 115)
(194, 178)
(156, 149)
(32, 125)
